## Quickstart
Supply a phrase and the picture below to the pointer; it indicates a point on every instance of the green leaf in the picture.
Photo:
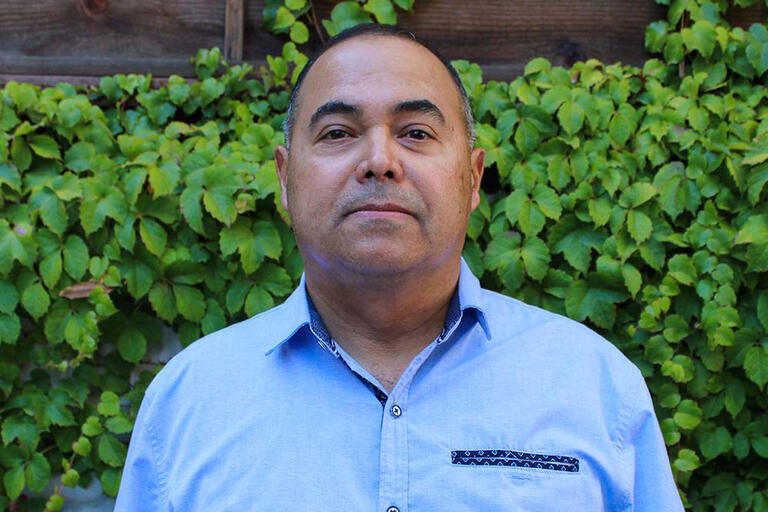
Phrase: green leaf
(754, 230)
(82, 446)
(548, 201)
(9, 297)
(575, 242)
(295, 5)
(535, 255)
(190, 208)
(716, 443)
(15, 245)
(138, 277)
(526, 137)
(637, 194)
(756, 365)
(755, 182)
(75, 256)
(760, 445)
(10, 176)
(44, 146)
(383, 11)
(217, 196)
(762, 308)
(632, 278)
(20, 154)
(163, 302)
(38, 473)
(153, 235)
(92, 425)
(70, 478)
(701, 36)
(163, 179)
(258, 300)
(79, 156)
(35, 300)
(190, 302)
(10, 328)
(299, 33)
(13, 479)
(111, 451)
(214, 318)
(110, 481)
(51, 210)
(592, 300)
(680, 368)
(688, 414)
(119, 424)
(559, 172)
(620, 129)
(639, 225)
(109, 404)
(681, 267)
(132, 345)
(655, 35)
(56, 410)
(22, 427)
(284, 18)
(735, 397)
(346, 15)
(687, 460)
(571, 117)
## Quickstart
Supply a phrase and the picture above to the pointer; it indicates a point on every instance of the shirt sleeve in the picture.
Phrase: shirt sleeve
(653, 485)
(143, 484)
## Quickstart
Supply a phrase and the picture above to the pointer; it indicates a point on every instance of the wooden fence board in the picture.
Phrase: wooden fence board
(44, 41)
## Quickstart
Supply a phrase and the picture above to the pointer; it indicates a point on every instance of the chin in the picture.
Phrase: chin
(385, 263)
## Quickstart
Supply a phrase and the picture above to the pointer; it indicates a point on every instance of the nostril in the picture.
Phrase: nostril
(369, 174)
(389, 174)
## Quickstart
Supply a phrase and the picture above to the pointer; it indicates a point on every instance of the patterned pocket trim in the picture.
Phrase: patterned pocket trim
(515, 458)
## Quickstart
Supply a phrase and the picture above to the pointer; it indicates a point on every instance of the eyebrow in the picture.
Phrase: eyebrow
(333, 107)
(420, 106)
(410, 106)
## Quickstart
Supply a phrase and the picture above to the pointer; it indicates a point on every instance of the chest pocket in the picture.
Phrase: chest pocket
(514, 458)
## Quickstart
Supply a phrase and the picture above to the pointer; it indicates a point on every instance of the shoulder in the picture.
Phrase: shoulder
(555, 340)
(227, 354)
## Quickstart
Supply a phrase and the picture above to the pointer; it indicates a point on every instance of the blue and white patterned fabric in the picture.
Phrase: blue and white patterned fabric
(511, 408)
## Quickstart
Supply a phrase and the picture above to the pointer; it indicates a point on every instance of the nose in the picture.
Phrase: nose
(380, 160)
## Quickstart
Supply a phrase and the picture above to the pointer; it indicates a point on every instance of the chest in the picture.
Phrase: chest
(340, 448)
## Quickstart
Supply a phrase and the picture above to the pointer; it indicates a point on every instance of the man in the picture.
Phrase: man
(390, 381)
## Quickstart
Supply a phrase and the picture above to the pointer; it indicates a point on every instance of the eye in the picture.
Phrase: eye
(417, 134)
(335, 134)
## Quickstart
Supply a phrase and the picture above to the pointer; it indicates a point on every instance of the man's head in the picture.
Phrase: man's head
(379, 179)
(376, 30)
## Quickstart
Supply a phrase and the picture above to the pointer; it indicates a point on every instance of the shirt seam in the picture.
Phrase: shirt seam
(622, 434)
(162, 477)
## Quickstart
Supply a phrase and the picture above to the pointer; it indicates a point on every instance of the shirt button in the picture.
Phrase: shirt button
(396, 412)
(393, 509)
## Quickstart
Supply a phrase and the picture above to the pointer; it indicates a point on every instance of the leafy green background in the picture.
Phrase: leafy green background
(630, 199)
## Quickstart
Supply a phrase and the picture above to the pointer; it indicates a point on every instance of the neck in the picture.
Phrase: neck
(383, 322)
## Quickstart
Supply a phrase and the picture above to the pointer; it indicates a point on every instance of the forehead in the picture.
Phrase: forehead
(378, 71)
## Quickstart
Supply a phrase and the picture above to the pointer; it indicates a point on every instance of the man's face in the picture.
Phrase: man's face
(379, 178)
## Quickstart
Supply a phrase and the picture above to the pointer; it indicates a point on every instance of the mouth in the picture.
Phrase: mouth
(381, 210)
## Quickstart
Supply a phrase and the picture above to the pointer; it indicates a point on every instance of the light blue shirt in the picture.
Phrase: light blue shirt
(511, 408)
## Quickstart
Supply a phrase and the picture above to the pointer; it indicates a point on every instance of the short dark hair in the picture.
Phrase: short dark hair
(370, 29)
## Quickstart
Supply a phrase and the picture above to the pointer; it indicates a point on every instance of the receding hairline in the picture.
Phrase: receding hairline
(295, 103)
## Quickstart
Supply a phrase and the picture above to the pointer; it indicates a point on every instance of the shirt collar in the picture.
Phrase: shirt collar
(298, 311)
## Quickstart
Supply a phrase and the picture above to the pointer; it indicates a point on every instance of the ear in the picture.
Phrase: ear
(281, 163)
(477, 163)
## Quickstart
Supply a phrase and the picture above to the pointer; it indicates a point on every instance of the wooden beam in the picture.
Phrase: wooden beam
(233, 31)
